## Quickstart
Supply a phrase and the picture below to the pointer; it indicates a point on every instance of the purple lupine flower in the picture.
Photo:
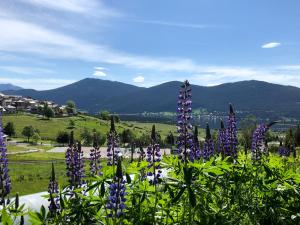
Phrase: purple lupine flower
(208, 149)
(231, 134)
(153, 157)
(95, 155)
(113, 150)
(283, 151)
(117, 193)
(184, 127)
(258, 141)
(196, 146)
(222, 139)
(74, 163)
(5, 183)
(53, 191)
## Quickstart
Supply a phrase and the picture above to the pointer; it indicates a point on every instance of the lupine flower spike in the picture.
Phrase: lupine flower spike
(116, 199)
(258, 146)
(153, 158)
(53, 191)
(208, 149)
(5, 183)
(231, 134)
(283, 151)
(184, 127)
(74, 163)
(222, 139)
(95, 166)
(113, 150)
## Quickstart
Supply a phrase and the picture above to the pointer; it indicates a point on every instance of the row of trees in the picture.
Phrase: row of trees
(28, 132)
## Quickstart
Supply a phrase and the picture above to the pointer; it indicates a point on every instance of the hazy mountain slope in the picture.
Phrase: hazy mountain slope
(94, 95)
(5, 87)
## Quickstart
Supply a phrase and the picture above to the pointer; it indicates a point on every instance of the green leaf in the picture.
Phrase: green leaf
(128, 178)
(174, 200)
(6, 218)
(102, 189)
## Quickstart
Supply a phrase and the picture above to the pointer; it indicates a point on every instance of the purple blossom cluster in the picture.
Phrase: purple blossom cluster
(117, 192)
(208, 149)
(153, 157)
(54, 205)
(258, 141)
(95, 155)
(227, 137)
(222, 139)
(113, 150)
(5, 182)
(74, 163)
(283, 151)
(231, 134)
(184, 126)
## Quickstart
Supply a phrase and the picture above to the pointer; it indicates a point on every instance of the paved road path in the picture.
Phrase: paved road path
(86, 151)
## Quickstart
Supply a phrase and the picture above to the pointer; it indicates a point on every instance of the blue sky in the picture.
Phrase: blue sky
(46, 44)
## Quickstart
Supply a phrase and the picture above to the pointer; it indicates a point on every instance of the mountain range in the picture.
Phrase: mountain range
(5, 87)
(255, 97)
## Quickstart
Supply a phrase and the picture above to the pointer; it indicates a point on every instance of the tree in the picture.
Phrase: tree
(28, 132)
(104, 115)
(170, 140)
(9, 129)
(100, 137)
(117, 118)
(71, 107)
(35, 138)
(87, 137)
(297, 136)
(127, 136)
(289, 138)
(248, 126)
(48, 112)
(63, 137)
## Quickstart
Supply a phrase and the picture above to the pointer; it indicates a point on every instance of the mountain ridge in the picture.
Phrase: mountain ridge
(94, 95)
(8, 86)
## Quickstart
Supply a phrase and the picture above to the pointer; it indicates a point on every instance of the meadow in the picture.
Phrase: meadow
(49, 129)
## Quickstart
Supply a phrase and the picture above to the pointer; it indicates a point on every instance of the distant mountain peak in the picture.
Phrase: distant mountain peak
(252, 96)
(6, 87)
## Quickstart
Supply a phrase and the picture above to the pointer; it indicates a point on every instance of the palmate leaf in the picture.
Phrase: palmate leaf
(176, 198)
(5, 218)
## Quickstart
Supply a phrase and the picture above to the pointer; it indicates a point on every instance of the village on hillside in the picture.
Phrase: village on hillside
(10, 104)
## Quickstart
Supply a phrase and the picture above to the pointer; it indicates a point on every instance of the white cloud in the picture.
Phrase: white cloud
(139, 79)
(26, 70)
(271, 45)
(38, 84)
(99, 71)
(172, 24)
(87, 7)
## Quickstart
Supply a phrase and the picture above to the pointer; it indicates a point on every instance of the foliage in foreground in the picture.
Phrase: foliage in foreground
(214, 192)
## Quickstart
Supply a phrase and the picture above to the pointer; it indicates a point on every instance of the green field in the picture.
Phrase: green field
(33, 177)
(30, 171)
(50, 128)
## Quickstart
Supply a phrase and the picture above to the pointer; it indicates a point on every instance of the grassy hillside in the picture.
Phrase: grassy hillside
(50, 128)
